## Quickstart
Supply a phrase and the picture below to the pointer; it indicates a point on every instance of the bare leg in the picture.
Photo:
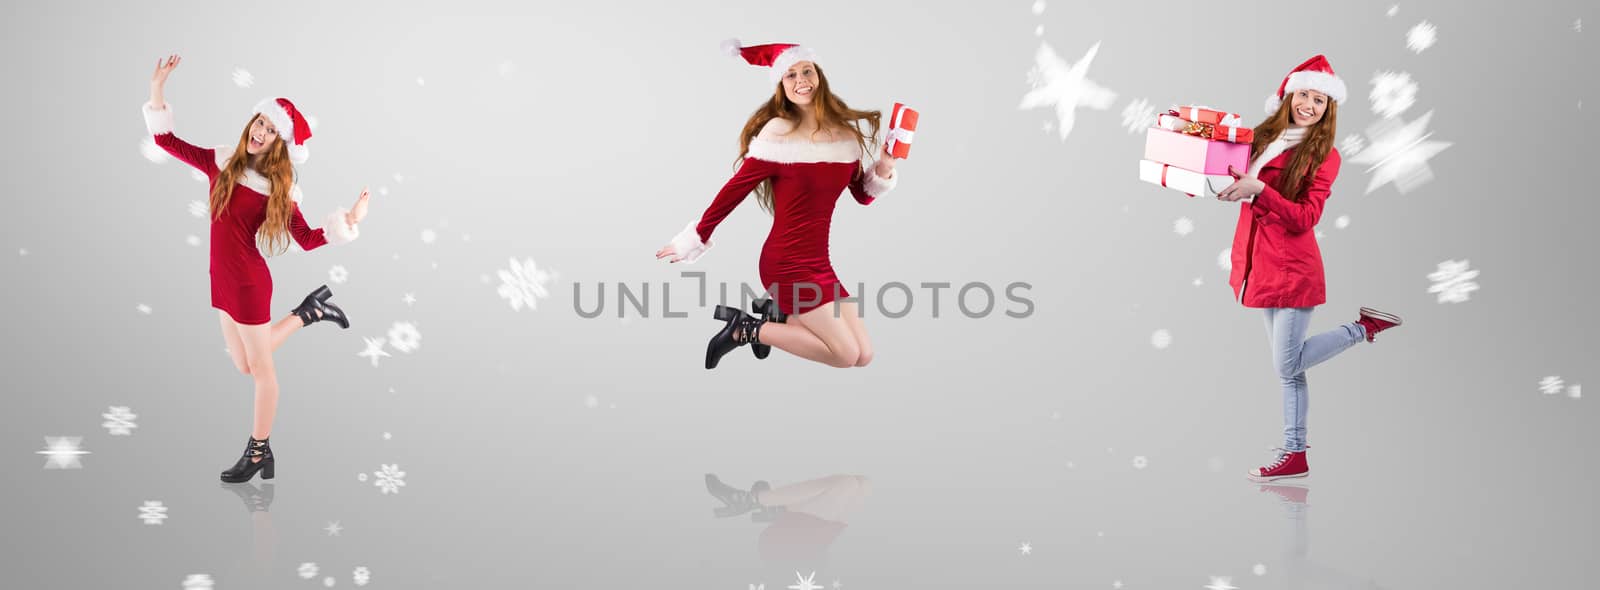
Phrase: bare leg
(230, 337)
(815, 335)
(805, 491)
(285, 327)
(852, 318)
(258, 352)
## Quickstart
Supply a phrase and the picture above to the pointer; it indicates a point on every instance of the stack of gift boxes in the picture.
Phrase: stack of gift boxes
(1190, 149)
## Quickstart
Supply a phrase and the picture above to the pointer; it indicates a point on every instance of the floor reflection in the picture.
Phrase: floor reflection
(1299, 570)
(257, 502)
(801, 520)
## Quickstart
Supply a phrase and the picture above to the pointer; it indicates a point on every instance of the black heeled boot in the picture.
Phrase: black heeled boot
(255, 499)
(735, 501)
(245, 468)
(741, 329)
(316, 308)
(768, 312)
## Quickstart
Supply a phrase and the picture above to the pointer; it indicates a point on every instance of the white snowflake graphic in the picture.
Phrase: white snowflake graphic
(243, 78)
(429, 236)
(198, 209)
(805, 583)
(389, 479)
(1138, 116)
(1225, 259)
(1025, 549)
(119, 421)
(152, 512)
(1140, 462)
(153, 152)
(1183, 226)
(591, 401)
(1056, 83)
(1453, 281)
(1351, 145)
(361, 477)
(361, 576)
(1038, 7)
(198, 582)
(144, 309)
(1393, 10)
(1575, 391)
(409, 299)
(1260, 569)
(1342, 222)
(63, 452)
(1038, 31)
(524, 284)
(506, 68)
(192, 240)
(1422, 36)
(333, 528)
(1392, 93)
(308, 570)
(329, 582)
(404, 337)
(374, 350)
(1221, 583)
(1198, 281)
(1551, 385)
(1577, 26)
(199, 176)
(338, 274)
(1399, 153)
(1161, 339)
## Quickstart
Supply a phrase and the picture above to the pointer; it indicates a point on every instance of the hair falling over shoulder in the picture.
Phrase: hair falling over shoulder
(279, 171)
(1307, 156)
(831, 113)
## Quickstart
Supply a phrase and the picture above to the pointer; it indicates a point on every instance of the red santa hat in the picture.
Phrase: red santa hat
(776, 57)
(1314, 74)
(292, 126)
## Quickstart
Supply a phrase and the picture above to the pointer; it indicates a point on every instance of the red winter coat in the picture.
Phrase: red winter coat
(1276, 262)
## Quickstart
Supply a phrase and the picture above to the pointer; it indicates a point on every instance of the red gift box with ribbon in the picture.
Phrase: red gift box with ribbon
(1209, 116)
(902, 127)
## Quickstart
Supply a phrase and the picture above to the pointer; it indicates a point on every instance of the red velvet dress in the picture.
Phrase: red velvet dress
(240, 282)
(807, 180)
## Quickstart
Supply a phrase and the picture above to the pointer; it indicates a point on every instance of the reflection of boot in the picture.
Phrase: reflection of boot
(255, 499)
(734, 500)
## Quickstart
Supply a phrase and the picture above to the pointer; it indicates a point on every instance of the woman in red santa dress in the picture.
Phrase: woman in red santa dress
(800, 150)
(255, 200)
(1277, 265)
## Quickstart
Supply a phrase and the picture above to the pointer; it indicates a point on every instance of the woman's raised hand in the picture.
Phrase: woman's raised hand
(359, 210)
(886, 160)
(158, 80)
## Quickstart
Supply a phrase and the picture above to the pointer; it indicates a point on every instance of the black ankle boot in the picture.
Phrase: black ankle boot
(245, 468)
(255, 499)
(735, 501)
(741, 329)
(768, 312)
(316, 308)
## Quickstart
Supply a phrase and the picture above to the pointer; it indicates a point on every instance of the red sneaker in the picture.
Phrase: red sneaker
(1289, 464)
(1376, 321)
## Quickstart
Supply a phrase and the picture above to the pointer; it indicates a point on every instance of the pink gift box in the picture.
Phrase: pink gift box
(1193, 153)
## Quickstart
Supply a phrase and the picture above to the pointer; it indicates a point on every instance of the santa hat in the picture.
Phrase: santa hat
(1314, 74)
(291, 125)
(776, 57)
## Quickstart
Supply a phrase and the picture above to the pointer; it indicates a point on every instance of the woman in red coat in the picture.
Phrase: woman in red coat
(254, 205)
(1276, 263)
(801, 150)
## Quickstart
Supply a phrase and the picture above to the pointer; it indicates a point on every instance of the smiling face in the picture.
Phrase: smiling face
(800, 82)
(1307, 107)
(262, 135)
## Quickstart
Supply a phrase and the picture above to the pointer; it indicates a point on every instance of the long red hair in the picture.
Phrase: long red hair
(831, 113)
(1307, 156)
(273, 235)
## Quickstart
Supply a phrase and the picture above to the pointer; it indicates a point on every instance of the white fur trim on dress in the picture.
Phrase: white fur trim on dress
(687, 244)
(877, 186)
(158, 122)
(337, 231)
(800, 152)
(789, 57)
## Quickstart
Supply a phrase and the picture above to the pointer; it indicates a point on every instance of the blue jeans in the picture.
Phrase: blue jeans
(1293, 354)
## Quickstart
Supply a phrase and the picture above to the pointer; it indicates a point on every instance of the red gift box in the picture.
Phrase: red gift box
(1232, 134)
(1209, 116)
(902, 127)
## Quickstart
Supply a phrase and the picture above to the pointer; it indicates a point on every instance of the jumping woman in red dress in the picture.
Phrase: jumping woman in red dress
(1277, 265)
(801, 150)
(254, 200)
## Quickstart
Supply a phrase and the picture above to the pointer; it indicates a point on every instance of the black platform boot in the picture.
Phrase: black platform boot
(316, 308)
(245, 469)
(734, 500)
(769, 312)
(255, 499)
(741, 329)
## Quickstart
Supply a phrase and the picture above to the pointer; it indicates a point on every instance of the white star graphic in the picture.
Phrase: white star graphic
(333, 528)
(805, 582)
(374, 350)
(409, 298)
(64, 452)
(1026, 549)
(1064, 86)
(1399, 153)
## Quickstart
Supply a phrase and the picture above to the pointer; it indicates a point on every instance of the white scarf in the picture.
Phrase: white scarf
(1289, 138)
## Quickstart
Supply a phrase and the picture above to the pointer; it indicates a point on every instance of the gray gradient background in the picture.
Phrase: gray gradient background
(1438, 463)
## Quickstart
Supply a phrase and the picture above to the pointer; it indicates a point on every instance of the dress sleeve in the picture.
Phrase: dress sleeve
(333, 231)
(159, 123)
(867, 185)
(695, 239)
(1273, 207)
